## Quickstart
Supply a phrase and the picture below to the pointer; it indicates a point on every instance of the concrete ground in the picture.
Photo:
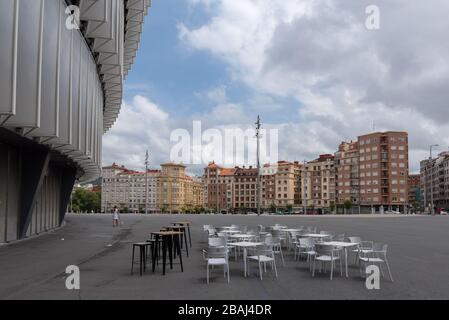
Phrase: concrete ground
(35, 268)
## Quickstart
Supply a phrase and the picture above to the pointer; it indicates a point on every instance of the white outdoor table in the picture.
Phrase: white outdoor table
(315, 235)
(242, 236)
(344, 246)
(230, 231)
(245, 245)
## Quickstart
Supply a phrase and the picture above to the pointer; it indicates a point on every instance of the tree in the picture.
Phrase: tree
(85, 201)
(332, 207)
(347, 205)
(164, 208)
(273, 207)
(289, 208)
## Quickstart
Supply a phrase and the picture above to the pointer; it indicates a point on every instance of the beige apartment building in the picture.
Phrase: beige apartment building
(318, 183)
(347, 186)
(177, 191)
(280, 185)
(169, 189)
(125, 189)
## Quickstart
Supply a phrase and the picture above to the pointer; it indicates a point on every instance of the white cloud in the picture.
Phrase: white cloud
(344, 76)
(141, 125)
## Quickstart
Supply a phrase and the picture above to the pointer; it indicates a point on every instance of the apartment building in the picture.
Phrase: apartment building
(383, 170)
(414, 191)
(245, 189)
(318, 183)
(434, 179)
(347, 187)
(125, 189)
(169, 189)
(219, 187)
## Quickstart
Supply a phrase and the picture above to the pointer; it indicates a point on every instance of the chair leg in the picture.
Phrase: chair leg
(313, 268)
(389, 271)
(332, 268)
(207, 274)
(260, 270)
(282, 256)
(227, 269)
(132, 262)
(275, 268)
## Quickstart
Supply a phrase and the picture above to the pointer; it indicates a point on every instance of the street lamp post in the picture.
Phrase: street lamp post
(258, 164)
(431, 179)
(146, 182)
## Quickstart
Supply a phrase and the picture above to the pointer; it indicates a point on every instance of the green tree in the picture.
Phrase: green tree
(273, 207)
(332, 207)
(289, 208)
(85, 201)
(347, 205)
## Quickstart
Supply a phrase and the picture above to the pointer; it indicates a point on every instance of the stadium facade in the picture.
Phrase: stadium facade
(62, 67)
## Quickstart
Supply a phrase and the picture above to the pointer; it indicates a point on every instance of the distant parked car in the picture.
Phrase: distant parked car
(444, 213)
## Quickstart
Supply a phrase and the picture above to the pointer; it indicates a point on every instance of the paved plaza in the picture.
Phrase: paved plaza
(35, 268)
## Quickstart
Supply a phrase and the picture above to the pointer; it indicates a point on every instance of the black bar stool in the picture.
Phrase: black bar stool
(142, 246)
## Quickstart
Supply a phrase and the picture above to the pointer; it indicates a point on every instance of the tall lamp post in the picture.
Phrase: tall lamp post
(258, 164)
(146, 182)
(431, 179)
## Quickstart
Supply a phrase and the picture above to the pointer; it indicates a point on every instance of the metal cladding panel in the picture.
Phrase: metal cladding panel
(8, 54)
(50, 57)
(64, 82)
(83, 100)
(94, 10)
(31, 16)
(78, 45)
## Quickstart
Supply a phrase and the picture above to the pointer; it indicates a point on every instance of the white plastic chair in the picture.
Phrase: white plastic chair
(378, 255)
(263, 254)
(275, 244)
(327, 254)
(217, 256)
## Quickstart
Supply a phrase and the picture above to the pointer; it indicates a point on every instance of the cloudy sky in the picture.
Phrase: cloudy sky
(310, 68)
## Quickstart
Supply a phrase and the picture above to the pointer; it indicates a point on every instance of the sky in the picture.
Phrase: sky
(310, 68)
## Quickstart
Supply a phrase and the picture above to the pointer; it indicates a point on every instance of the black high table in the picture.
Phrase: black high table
(170, 241)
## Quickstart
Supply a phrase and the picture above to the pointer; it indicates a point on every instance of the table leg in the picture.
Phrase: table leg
(178, 248)
(164, 254)
(170, 250)
(244, 260)
(190, 238)
(155, 251)
(185, 238)
(346, 261)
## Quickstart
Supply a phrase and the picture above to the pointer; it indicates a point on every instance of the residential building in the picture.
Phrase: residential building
(383, 170)
(414, 191)
(219, 187)
(167, 190)
(318, 183)
(347, 187)
(61, 88)
(434, 175)
(126, 189)
(245, 189)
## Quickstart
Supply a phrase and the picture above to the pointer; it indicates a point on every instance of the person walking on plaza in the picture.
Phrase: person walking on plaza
(115, 217)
